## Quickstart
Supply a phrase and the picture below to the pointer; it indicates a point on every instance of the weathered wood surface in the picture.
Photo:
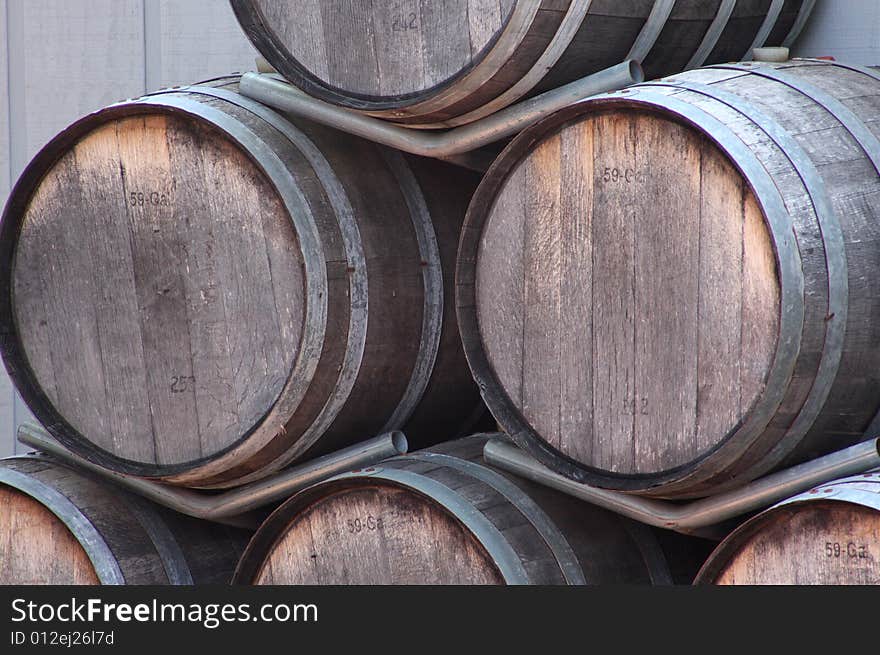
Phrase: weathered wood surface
(606, 309)
(158, 275)
(395, 537)
(395, 48)
(453, 62)
(633, 302)
(202, 292)
(58, 526)
(828, 537)
(37, 547)
(98, 52)
(442, 517)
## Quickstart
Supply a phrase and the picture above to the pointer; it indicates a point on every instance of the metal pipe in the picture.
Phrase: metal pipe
(283, 96)
(691, 517)
(220, 507)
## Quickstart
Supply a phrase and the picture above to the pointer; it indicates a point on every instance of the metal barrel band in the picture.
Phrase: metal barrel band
(555, 540)
(99, 553)
(835, 255)
(800, 22)
(651, 30)
(351, 240)
(503, 555)
(713, 34)
(767, 27)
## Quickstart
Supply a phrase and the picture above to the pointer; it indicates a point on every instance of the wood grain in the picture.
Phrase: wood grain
(440, 63)
(160, 343)
(210, 325)
(36, 548)
(643, 297)
(442, 516)
(377, 535)
(385, 48)
(125, 539)
(500, 284)
(819, 543)
(740, 279)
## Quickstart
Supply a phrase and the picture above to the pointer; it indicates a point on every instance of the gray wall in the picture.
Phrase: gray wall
(848, 30)
(60, 59)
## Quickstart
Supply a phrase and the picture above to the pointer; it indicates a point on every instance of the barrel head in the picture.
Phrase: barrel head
(380, 50)
(36, 547)
(157, 288)
(627, 295)
(376, 533)
(812, 543)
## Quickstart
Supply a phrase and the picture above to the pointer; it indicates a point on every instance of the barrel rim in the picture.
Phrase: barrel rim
(14, 356)
(78, 524)
(276, 527)
(234, 467)
(267, 42)
(499, 402)
(827, 220)
(739, 538)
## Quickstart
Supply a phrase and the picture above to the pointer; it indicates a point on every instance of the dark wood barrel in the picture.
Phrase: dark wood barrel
(827, 536)
(198, 290)
(441, 516)
(451, 62)
(60, 526)
(673, 289)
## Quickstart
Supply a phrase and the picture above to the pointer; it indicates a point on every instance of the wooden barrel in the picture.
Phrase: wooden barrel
(60, 526)
(441, 516)
(828, 536)
(197, 290)
(448, 63)
(673, 289)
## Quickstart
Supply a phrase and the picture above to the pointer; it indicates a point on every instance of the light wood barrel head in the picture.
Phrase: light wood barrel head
(377, 534)
(36, 548)
(815, 543)
(385, 49)
(627, 292)
(158, 289)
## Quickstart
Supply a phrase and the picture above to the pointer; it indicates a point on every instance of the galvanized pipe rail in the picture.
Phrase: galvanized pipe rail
(693, 517)
(231, 507)
(272, 91)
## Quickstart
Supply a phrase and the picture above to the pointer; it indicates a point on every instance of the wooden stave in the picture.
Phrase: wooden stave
(474, 93)
(14, 359)
(250, 458)
(350, 307)
(792, 446)
(128, 540)
(805, 411)
(860, 491)
(459, 463)
(496, 398)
